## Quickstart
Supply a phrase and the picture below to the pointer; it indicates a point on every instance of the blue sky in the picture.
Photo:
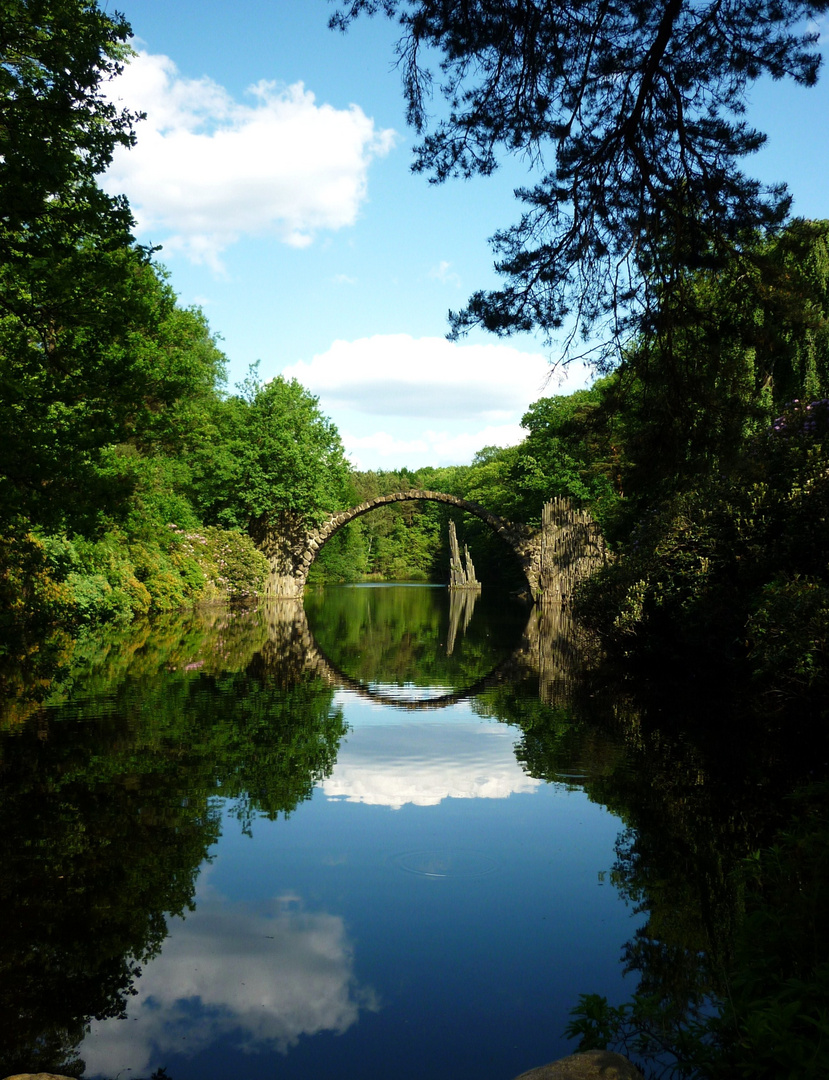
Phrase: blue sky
(273, 168)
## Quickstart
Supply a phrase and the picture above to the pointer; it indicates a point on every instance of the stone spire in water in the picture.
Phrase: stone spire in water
(461, 570)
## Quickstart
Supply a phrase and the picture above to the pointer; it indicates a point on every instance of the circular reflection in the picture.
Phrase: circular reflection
(413, 636)
(446, 864)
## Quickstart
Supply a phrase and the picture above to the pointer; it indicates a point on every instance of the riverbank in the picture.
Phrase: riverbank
(60, 580)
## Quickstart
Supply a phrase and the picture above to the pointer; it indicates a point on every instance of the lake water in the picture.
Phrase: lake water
(362, 839)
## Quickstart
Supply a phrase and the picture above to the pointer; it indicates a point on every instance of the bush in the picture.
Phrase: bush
(30, 591)
(241, 567)
(675, 590)
(34, 605)
(788, 633)
(228, 561)
(61, 580)
(96, 600)
(734, 571)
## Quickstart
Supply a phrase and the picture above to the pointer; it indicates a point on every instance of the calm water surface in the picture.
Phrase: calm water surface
(352, 841)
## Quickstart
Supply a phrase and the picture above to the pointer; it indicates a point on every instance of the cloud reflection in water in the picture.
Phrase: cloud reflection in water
(259, 978)
(423, 763)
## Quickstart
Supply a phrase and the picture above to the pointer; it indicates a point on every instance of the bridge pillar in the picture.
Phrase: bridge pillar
(569, 548)
(283, 541)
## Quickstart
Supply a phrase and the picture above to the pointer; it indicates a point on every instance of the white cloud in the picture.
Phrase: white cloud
(263, 977)
(422, 764)
(444, 273)
(208, 169)
(431, 448)
(399, 400)
(429, 377)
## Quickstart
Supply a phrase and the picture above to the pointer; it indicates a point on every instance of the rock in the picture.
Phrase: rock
(38, 1076)
(591, 1065)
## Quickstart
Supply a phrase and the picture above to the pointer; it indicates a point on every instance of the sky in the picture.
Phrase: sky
(273, 170)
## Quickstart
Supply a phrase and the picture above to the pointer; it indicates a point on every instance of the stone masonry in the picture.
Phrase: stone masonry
(291, 547)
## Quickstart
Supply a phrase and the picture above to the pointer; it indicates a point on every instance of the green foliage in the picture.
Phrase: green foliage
(28, 584)
(121, 372)
(107, 387)
(788, 631)
(733, 570)
(58, 128)
(272, 451)
(722, 527)
(75, 294)
(687, 400)
(35, 605)
(95, 599)
(344, 558)
(595, 1023)
(788, 325)
(569, 440)
(240, 567)
(403, 540)
(58, 580)
(569, 452)
(640, 1030)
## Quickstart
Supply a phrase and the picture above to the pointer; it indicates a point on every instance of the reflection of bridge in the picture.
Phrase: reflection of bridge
(567, 546)
(547, 650)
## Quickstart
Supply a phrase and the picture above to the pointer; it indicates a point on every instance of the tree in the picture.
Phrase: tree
(747, 340)
(632, 112)
(71, 283)
(58, 130)
(271, 452)
(98, 356)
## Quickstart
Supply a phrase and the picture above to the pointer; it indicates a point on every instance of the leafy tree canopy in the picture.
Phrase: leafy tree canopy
(99, 355)
(272, 451)
(74, 291)
(634, 115)
(58, 130)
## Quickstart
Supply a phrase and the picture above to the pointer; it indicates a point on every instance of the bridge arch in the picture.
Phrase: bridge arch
(518, 537)
(337, 521)
(291, 546)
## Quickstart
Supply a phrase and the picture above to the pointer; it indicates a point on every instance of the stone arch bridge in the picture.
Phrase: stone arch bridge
(567, 547)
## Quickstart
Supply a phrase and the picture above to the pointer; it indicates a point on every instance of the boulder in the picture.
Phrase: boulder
(38, 1076)
(590, 1065)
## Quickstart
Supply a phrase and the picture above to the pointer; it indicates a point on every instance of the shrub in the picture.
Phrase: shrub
(734, 570)
(33, 606)
(788, 632)
(30, 591)
(228, 561)
(96, 600)
(241, 567)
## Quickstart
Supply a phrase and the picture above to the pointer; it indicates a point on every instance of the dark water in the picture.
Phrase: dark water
(365, 839)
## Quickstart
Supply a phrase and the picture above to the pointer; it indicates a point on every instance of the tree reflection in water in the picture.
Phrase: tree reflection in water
(110, 790)
(109, 809)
